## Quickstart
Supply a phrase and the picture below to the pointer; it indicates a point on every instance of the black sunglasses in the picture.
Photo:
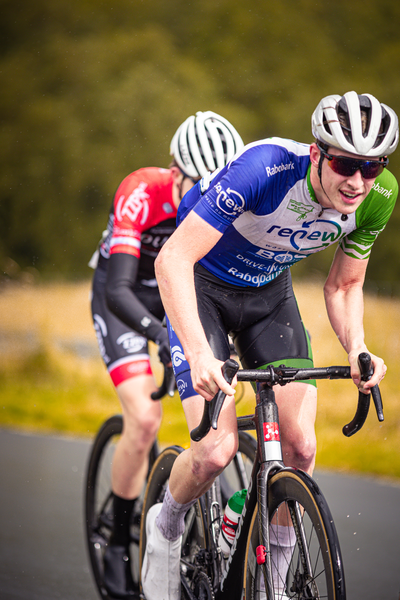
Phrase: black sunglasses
(347, 166)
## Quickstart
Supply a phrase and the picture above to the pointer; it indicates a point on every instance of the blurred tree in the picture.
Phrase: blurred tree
(92, 91)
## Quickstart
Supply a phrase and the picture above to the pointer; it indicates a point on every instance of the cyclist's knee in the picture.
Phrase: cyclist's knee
(141, 424)
(209, 462)
(300, 453)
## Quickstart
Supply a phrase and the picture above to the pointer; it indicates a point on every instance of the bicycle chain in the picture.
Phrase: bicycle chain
(203, 587)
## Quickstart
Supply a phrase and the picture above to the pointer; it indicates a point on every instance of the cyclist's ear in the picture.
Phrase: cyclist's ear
(177, 175)
(314, 155)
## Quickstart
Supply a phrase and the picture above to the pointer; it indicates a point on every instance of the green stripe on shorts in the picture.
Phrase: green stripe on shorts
(296, 363)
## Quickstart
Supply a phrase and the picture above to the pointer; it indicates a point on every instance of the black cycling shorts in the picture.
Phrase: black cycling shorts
(124, 351)
(264, 324)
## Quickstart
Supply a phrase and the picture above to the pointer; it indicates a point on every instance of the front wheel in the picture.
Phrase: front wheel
(194, 538)
(311, 566)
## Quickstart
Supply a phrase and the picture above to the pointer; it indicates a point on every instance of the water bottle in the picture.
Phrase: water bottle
(230, 521)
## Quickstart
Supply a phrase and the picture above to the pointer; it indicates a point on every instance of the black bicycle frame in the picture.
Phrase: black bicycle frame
(269, 458)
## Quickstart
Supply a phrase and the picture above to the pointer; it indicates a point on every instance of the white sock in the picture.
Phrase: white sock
(282, 542)
(171, 518)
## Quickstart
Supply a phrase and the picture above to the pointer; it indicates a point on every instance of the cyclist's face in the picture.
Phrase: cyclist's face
(187, 185)
(182, 184)
(343, 193)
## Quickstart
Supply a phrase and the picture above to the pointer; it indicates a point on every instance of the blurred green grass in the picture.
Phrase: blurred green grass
(51, 389)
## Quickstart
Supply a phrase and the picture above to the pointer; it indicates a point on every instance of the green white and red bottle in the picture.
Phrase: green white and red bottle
(233, 511)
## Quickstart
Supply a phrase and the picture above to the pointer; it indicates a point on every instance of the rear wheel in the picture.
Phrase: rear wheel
(99, 501)
(313, 569)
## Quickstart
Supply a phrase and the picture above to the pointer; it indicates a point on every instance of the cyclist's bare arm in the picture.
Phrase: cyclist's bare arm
(174, 271)
(345, 306)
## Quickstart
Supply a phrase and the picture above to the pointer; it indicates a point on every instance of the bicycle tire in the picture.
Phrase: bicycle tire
(98, 501)
(194, 537)
(316, 568)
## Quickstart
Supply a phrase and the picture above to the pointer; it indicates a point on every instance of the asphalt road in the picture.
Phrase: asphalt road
(42, 547)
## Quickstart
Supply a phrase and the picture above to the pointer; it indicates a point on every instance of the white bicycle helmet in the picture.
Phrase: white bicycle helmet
(204, 143)
(378, 138)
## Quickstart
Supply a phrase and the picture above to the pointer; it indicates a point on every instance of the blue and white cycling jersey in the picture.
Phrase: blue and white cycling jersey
(264, 204)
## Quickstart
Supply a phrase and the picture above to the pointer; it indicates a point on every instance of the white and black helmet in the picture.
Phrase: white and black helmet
(378, 137)
(203, 143)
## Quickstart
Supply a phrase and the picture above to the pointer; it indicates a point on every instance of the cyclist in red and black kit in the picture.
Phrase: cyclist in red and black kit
(127, 309)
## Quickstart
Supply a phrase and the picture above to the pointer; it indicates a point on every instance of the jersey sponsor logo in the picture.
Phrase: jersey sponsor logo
(100, 324)
(280, 257)
(181, 386)
(145, 322)
(382, 190)
(155, 241)
(250, 263)
(131, 342)
(100, 328)
(167, 208)
(232, 206)
(134, 205)
(301, 209)
(295, 236)
(279, 168)
(177, 356)
(138, 367)
(259, 279)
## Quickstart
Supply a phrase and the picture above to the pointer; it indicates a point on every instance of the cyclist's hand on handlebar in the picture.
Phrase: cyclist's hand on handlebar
(164, 352)
(207, 377)
(379, 371)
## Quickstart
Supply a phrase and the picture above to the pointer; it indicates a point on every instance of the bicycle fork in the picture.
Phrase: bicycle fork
(270, 454)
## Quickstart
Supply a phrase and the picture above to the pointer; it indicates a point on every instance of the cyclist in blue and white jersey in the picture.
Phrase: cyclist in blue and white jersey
(225, 271)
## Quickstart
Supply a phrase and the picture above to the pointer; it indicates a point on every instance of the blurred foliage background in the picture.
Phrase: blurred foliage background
(94, 89)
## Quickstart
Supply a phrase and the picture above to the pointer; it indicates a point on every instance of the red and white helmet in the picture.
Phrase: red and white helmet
(378, 138)
(204, 142)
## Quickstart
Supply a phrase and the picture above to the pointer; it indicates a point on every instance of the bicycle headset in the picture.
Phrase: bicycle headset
(204, 142)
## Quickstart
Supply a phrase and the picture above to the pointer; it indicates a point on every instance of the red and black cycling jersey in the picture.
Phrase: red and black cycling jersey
(142, 218)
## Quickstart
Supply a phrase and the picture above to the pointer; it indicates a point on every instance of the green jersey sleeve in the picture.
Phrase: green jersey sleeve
(372, 216)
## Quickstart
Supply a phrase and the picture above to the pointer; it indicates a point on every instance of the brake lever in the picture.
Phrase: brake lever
(167, 385)
(365, 365)
(375, 391)
(213, 408)
(377, 398)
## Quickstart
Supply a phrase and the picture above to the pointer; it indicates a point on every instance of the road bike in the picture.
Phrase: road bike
(277, 497)
(98, 494)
